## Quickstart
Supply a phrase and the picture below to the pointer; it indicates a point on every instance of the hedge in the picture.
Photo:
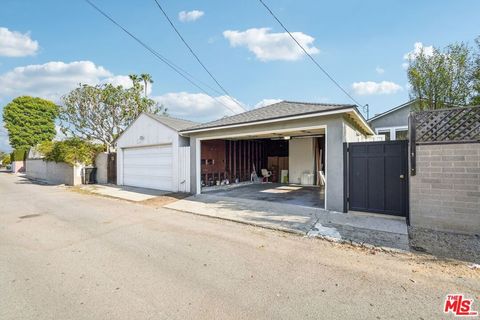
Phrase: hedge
(70, 151)
(19, 154)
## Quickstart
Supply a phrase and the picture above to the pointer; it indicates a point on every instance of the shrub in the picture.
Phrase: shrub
(70, 151)
(45, 147)
(6, 160)
(19, 154)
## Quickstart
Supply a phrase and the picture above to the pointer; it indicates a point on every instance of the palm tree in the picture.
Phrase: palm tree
(146, 78)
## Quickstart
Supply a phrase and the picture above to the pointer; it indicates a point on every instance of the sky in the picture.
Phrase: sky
(48, 47)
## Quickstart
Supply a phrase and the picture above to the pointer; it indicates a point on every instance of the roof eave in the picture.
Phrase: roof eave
(286, 118)
(378, 116)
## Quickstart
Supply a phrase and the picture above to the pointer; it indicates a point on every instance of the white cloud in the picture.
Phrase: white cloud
(123, 81)
(372, 88)
(268, 46)
(197, 107)
(16, 44)
(266, 102)
(53, 79)
(188, 16)
(379, 70)
(418, 48)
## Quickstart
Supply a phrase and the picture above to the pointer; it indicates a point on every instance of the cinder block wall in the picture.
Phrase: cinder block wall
(445, 193)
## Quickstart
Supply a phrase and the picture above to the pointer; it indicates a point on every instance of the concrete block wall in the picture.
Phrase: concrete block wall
(445, 192)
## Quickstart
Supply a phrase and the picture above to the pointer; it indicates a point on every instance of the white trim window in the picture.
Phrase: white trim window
(393, 133)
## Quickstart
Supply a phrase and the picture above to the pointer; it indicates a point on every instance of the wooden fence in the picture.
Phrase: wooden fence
(453, 125)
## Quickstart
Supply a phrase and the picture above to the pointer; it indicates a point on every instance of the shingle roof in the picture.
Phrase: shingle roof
(278, 110)
(174, 123)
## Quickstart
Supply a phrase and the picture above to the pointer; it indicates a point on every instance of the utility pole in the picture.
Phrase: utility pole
(366, 108)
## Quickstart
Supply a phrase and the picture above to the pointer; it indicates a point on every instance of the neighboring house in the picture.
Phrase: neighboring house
(148, 153)
(393, 123)
(304, 138)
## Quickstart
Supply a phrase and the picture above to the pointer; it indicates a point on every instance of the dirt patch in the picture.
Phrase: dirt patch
(161, 201)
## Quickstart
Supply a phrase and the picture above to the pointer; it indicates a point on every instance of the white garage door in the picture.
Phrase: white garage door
(148, 167)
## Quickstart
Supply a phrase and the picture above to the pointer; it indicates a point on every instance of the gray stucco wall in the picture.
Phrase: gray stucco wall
(396, 118)
(101, 163)
(334, 154)
(445, 192)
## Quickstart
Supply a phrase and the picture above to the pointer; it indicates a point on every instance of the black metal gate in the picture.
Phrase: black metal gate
(376, 175)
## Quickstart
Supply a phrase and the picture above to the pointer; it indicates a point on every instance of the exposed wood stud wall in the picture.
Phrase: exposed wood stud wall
(232, 159)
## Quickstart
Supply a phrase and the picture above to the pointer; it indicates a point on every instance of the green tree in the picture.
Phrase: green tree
(101, 113)
(442, 78)
(147, 79)
(476, 74)
(29, 121)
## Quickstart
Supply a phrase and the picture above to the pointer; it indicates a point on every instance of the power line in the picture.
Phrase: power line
(170, 64)
(195, 55)
(310, 56)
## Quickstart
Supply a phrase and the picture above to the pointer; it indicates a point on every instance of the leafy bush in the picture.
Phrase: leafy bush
(71, 151)
(6, 160)
(45, 147)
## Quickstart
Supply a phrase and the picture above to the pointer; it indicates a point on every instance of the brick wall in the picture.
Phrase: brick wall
(445, 193)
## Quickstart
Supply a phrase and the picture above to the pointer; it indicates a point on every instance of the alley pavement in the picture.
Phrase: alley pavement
(68, 255)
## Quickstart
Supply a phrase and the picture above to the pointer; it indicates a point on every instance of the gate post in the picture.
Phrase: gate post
(345, 177)
(412, 126)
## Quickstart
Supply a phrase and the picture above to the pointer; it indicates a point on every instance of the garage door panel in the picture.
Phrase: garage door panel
(158, 172)
(139, 155)
(134, 152)
(148, 167)
(148, 161)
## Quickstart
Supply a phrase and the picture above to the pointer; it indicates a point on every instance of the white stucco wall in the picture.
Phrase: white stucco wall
(146, 131)
(54, 172)
(301, 158)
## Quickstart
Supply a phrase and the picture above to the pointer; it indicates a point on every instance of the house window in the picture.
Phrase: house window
(401, 134)
(393, 133)
(386, 133)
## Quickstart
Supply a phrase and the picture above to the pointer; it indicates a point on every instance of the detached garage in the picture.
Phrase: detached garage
(151, 154)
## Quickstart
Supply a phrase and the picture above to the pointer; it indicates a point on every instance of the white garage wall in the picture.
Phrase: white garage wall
(350, 134)
(146, 131)
(184, 169)
(301, 158)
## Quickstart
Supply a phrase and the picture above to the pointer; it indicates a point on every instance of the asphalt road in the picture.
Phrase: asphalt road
(66, 255)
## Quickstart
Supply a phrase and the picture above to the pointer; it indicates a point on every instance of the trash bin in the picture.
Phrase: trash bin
(89, 175)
